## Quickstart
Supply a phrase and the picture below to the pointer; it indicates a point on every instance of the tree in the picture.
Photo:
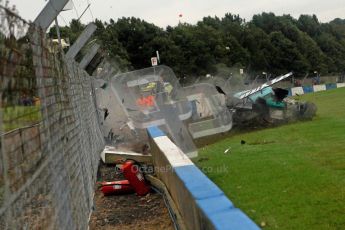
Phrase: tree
(107, 36)
(70, 32)
(334, 50)
(269, 43)
(309, 24)
(286, 56)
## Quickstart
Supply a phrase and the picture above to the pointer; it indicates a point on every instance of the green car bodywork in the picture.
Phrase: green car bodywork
(268, 95)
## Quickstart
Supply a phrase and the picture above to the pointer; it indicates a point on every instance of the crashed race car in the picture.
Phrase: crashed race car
(153, 97)
(267, 105)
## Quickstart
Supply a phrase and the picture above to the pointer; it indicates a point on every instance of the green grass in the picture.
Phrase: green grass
(289, 177)
(20, 116)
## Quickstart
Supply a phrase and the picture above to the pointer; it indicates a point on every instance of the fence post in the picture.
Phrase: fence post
(4, 171)
(81, 41)
(49, 13)
(89, 56)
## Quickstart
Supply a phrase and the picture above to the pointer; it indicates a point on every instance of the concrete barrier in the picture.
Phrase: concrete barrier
(296, 90)
(200, 202)
(315, 88)
(318, 88)
(339, 85)
(308, 89)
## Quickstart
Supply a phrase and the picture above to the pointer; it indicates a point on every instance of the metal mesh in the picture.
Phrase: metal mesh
(50, 136)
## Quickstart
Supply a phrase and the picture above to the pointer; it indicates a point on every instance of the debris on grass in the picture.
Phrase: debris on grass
(227, 150)
(201, 159)
(264, 142)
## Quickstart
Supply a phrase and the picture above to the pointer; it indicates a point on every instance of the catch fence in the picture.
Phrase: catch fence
(50, 135)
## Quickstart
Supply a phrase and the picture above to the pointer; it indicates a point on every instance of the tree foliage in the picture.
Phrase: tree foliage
(269, 43)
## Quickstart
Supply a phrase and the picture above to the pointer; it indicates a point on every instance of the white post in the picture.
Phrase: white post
(49, 13)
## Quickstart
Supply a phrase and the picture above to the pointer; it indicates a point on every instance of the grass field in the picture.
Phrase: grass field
(289, 177)
(19, 116)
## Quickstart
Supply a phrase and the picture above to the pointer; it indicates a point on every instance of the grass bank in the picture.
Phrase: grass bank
(289, 177)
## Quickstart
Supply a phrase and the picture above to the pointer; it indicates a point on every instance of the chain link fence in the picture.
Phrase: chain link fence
(50, 136)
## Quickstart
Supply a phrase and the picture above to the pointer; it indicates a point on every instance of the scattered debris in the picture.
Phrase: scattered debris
(135, 181)
(135, 177)
(127, 211)
(265, 105)
(264, 142)
(104, 86)
(201, 159)
(145, 149)
(116, 187)
(111, 135)
(220, 90)
(106, 113)
(111, 155)
(227, 150)
(263, 224)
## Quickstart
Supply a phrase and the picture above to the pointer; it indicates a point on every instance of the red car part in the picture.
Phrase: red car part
(135, 177)
(116, 187)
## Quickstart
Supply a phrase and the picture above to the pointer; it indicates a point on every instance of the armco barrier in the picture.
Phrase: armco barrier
(200, 202)
(296, 90)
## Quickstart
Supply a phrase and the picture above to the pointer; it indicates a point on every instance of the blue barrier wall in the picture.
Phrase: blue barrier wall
(331, 86)
(311, 89)
(201, 203)
(308, 89)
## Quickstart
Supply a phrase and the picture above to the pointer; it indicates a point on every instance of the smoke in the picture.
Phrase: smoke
(115, 124)
(228, 81)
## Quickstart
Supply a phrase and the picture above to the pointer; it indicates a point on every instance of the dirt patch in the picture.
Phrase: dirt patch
(127, 211)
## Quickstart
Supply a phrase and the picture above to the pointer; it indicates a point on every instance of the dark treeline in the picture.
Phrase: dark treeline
(268, 43)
